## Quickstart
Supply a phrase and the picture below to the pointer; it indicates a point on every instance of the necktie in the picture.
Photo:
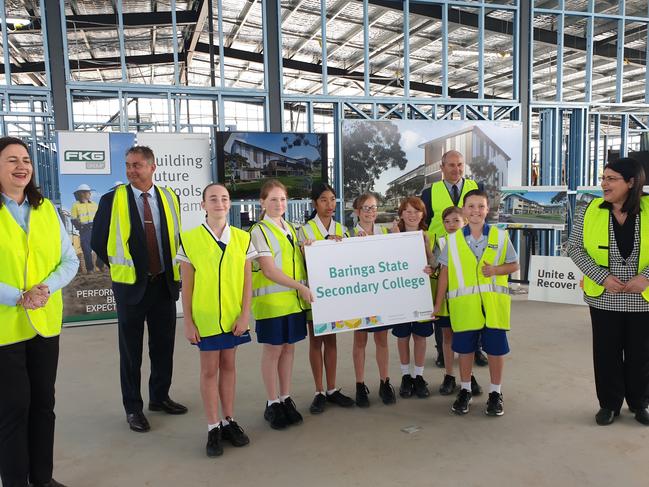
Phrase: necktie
(151, 240)
(290, 239)
(455, 194)
(221, 245)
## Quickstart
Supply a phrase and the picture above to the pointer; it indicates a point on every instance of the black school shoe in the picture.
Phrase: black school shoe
(233, 433)
(448, 385)
(476, 389)
(440, 360)
(274, 414)
(642, 416)
(604, 416)
(494, 404)
(339, 398)
(318, 404)
(461, 404)
(480, 359)
(362, 395)
(405, 389)
(293, 416)
(420, 387)
(214, 447)
(386, 392)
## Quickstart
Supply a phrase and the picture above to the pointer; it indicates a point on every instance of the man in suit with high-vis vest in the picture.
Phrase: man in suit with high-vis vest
(136, 231)
(442, 194)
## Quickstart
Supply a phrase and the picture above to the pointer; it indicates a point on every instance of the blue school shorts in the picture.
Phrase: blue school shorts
(494, 342)
(424, 329)
(283, 329)
(443, 322)
(223, 341)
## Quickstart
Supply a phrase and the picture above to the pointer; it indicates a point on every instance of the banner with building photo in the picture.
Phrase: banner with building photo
(541, 207)
(89, 297)
(399, 158)
(183, 164)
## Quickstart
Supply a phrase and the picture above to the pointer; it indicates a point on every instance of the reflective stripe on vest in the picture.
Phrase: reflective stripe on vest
(269, 299)
(84, 212)
(27, 259)
(122, 267)
(469, 292)
(440, 199)
(596, 241)
(219, 277)
(312, 232)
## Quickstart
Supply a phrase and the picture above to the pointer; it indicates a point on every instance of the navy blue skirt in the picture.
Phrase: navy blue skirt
(223, 341)
(282, 329)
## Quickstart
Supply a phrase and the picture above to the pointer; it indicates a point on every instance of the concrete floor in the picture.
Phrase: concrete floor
(547, 437)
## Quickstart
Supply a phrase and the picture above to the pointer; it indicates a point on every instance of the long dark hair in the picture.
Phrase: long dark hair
(32, 193)
(628, 168)
(316, 192)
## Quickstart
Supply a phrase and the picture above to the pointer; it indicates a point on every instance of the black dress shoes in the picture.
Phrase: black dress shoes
(642, 416)
(605, 416)
(138, 422)
(168, 406)
(51, 483)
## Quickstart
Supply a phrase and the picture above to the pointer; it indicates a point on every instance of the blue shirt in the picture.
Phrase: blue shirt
(155, 212)
(65, 270)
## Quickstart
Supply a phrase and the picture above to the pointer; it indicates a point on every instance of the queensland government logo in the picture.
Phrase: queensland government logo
(93, 159)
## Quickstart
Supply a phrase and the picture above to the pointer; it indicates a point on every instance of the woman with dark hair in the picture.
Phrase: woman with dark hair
(610, 245)
(36, 261)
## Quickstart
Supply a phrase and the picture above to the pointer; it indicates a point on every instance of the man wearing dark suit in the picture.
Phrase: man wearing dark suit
(136, 230)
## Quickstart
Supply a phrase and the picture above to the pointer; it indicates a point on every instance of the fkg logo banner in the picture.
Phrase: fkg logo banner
(84, 153)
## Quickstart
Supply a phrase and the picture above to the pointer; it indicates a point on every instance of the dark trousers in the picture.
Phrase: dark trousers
(621, 358)
(159, 311)
(27, 377)
(85, 235)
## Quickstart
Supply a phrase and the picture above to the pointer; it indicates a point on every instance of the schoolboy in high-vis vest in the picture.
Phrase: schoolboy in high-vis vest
(475, 264)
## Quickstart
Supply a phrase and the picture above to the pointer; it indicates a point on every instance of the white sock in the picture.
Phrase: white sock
(466, 385)
(419, 370)
(225, 422)
(210, 427)
(331, 391)
(274, 401)
(494, 388)
(405, 369)
(319, 392)
(284, 398)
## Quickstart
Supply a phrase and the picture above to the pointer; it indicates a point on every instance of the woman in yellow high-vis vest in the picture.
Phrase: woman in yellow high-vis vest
(36, 261)
(323, 352)
(215, 262)
(609, 243)
(279, 303)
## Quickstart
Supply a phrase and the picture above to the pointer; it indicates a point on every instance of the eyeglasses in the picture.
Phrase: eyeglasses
(369, 208)
(609, 179)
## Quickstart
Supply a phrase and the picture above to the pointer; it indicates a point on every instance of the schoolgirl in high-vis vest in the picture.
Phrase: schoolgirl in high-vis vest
(412, 215)
(322, 349)
(365, 208)
(474, 267)
(36, 261)
(453, 220)
(215, 262)
(280, 301)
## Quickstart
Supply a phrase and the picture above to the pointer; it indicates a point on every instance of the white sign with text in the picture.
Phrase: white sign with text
(367, 282)
(83, 153)
(555, 280)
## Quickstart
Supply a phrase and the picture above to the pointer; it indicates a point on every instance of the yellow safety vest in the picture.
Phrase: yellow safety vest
(312, 232)
(476, 301)
(122, 268)
(440, 199)
(84, 212)
(269, 299)
(596, 241)
(27, 259)
(218, 278)
(443, 311)
(354, 233)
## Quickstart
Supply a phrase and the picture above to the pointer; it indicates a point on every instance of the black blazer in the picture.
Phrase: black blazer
(132, 293)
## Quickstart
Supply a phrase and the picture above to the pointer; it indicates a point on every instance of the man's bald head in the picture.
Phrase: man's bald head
(452, 166)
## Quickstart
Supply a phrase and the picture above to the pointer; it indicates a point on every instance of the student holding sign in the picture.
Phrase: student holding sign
(475, 264)
(279, 303)
(322, 349)
(365, 207)
(412, 213)
(216, 293)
